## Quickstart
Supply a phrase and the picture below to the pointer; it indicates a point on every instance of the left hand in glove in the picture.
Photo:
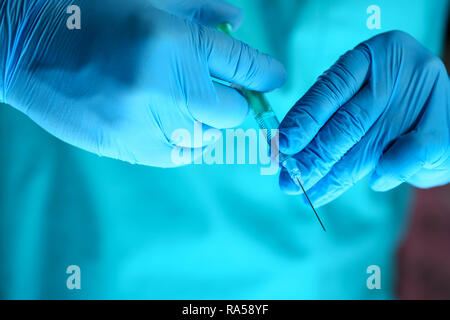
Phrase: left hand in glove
(382, 109)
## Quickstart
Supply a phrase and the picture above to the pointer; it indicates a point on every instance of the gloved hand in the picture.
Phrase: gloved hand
(132, 75)
(383, 108)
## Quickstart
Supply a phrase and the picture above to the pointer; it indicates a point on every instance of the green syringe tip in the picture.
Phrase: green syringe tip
(225, 28)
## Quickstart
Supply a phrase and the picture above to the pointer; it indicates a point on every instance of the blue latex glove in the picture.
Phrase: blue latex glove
(132, 75)
(383, 108)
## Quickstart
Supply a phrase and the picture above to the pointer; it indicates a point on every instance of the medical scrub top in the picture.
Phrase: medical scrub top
(205, 231)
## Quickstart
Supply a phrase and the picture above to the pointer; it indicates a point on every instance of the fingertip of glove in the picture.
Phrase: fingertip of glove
(379, 183)
(375, 183)
(283, 142)
(279, 76)
(289, 141)
(287, 185)
(269, 73)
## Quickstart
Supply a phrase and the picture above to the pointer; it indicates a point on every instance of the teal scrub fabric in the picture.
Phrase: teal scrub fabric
(205, 232)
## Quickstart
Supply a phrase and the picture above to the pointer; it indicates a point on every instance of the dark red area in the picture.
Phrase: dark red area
(424, 257)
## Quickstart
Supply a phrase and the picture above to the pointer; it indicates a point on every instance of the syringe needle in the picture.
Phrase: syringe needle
(306, 195)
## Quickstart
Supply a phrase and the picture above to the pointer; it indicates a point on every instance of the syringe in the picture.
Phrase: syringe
(268, 121)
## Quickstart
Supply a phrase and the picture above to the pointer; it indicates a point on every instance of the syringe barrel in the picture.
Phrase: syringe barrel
(258, 102)
(268, 121)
